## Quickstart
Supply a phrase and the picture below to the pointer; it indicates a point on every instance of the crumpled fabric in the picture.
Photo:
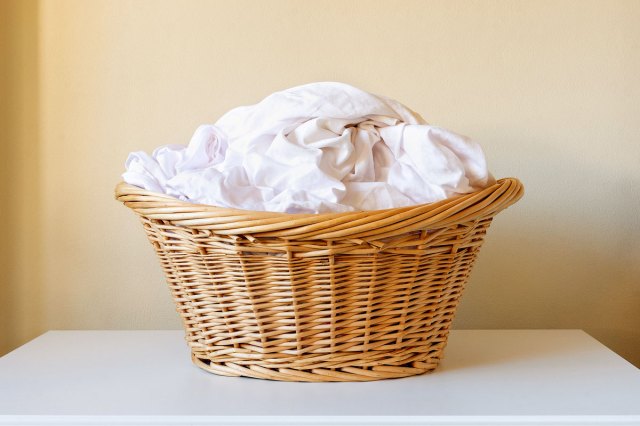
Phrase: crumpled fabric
(316, 148)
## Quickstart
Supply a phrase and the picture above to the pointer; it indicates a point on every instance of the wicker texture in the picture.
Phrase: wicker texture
(327, 297)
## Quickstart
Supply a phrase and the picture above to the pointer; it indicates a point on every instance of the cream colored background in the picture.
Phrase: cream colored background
(550, 89)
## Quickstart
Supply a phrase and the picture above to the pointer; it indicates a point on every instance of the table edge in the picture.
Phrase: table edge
(546, 420)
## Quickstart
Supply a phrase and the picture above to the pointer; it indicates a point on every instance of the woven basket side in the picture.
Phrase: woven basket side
(331, 316)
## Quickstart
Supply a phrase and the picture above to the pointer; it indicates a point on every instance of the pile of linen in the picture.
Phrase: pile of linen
(316, 148)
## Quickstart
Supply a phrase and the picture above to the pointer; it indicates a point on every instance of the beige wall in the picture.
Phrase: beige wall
(549, 88)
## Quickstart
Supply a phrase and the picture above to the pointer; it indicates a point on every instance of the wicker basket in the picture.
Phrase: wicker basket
(318, 297)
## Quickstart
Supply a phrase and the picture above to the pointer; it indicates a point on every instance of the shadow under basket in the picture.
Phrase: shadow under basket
(318, 297)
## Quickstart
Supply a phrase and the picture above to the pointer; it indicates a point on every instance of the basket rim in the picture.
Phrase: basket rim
(356, 224)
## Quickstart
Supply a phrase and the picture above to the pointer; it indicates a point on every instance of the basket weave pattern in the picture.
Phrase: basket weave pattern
(331, 297)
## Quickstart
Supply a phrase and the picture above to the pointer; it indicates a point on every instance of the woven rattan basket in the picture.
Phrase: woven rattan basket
(318, 297)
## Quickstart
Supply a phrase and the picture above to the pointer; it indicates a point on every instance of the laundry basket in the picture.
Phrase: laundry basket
(318, 297)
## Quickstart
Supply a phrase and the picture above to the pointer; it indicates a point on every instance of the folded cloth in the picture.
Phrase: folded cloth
(320, 147)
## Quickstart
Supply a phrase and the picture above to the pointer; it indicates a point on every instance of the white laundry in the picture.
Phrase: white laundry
(320, 147)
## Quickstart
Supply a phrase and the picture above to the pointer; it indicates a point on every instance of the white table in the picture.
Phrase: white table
(531, 377)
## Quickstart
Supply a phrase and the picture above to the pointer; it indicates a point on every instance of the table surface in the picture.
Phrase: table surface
(486, 377)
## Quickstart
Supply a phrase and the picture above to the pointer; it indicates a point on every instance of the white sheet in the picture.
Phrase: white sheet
(315, 148)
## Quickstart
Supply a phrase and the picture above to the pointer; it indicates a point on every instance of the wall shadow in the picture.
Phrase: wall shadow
(20, 283)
